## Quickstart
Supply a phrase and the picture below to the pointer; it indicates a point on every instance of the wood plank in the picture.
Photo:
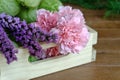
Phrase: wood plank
(108, 59)
(93, 36)
(103, 24)
(47, 66)
(106, 67)
(85, 73)
(106, 45)
(109, 33)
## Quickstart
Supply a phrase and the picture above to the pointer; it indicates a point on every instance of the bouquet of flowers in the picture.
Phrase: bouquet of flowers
(63, 26)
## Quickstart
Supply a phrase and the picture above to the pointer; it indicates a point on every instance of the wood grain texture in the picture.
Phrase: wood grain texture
(107, 64)
(85, 73)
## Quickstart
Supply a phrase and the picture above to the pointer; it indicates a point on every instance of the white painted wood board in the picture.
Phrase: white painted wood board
(24, 70)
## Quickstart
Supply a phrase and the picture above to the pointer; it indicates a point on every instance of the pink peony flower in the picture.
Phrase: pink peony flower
(69, 24)
(73, 34)
(73, 16)
(46, 20)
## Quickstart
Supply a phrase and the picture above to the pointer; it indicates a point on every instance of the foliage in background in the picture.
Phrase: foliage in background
(90, 4)
(51, 5)
(112, 7)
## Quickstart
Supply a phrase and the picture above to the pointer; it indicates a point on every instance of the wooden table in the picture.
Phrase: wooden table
(107, 65)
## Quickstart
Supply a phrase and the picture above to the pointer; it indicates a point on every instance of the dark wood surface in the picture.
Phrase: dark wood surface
(107, 64)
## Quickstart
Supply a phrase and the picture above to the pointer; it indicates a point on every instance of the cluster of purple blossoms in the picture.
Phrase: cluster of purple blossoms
(28, 35)
(7, 47)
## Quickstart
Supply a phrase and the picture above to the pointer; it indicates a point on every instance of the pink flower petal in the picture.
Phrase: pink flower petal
(69, 24)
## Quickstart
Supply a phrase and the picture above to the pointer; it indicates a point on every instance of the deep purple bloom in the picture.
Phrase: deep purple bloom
(28, 35)
(7, 47)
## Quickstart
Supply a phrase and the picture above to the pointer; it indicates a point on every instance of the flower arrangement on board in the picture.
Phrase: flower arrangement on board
(57, 24)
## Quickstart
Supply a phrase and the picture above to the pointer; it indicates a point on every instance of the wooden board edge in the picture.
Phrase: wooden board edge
(84, 58)
(94, 34)
(93, 55)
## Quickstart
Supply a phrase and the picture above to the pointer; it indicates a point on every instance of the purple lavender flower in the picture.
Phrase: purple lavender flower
(7, 47)
(42, 35)
(27, 35)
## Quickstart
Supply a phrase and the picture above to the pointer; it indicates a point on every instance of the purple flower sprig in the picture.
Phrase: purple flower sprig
(23, 34)
(7, 47)
(9, 22)
(42, 35)
(25, 37)
(28, 35)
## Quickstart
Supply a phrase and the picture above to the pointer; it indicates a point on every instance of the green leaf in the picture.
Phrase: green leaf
(32, 3)
(113, 8)
(90, 4)
(51, 5)
(29, 3)
(10, 7)
(32, 59)
(28, 14)
(107, 14)
(15, 44)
